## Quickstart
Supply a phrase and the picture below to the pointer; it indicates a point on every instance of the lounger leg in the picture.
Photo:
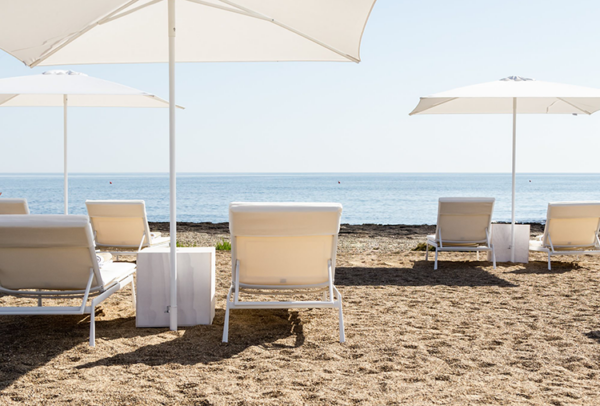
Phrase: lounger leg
(436, 256)
(39, 299)
(93, 326)
(549, 262)
(324, 295)
(133, 298)
(426, 252)
(342, 333)
(226, 323)
(494, 257)
(477, 255)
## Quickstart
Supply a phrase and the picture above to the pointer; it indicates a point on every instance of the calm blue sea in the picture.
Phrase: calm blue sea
(388, 198)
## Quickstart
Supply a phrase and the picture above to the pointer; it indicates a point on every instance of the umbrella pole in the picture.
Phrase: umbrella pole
(66, 180)
(172, 174)
(514, 168)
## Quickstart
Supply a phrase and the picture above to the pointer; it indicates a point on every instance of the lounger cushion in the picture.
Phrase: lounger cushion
(464, 219)
(572, 224)
(119, 223)
(46, 252)
(115, 272)
(160, 240)
(281, 244)
(13, 206)
(284, 219)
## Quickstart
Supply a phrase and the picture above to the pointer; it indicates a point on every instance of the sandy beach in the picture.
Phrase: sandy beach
(465, 334)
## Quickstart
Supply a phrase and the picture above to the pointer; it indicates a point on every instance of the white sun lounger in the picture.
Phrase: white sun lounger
(463, 224)
(122, 224)
(284, 248)
(571, 229)
(53, 256)
(13, 206)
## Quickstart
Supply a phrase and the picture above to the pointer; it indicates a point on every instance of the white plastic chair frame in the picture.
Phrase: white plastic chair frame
(331, 295)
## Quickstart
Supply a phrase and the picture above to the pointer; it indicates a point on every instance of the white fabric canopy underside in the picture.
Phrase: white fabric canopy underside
(48, 90)
(533, 97)
(207, 30)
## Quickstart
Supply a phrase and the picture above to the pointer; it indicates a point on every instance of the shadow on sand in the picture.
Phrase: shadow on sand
(541, 268)
(29, 342)
(421, 274)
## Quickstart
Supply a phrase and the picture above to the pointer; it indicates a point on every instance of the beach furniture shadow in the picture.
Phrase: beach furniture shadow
(202, 344)
(594, 335)
(541, 268)
(421, 274)
(30, 342)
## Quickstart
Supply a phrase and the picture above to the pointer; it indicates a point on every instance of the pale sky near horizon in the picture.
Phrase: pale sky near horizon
(340, 117)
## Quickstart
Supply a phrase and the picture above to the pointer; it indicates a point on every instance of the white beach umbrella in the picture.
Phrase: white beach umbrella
(65, 88)
(512, 95)
(41, 32)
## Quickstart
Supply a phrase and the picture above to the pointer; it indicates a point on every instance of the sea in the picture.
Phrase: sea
(380, 198)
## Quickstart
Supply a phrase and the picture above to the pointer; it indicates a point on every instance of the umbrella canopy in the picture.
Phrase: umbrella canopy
(512, 95)
(48, 88)
(533, 97)
(125, 31)
(65, 88)
(39, 32)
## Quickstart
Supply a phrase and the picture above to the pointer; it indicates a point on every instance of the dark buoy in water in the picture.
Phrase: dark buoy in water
(111, 182)
(339, 182)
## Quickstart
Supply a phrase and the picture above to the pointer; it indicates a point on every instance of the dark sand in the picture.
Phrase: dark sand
(465, 334)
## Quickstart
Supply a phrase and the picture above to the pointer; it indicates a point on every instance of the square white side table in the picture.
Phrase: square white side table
(501, 241)
(195, 287)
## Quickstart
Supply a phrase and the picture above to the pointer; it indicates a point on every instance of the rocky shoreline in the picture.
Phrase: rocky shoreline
(359, 230)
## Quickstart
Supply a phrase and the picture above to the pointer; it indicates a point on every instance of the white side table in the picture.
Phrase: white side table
(195, 287)
(501, 240)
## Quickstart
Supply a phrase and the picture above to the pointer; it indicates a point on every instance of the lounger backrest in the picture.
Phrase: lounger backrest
(284, 243)
(464, 219)
(13, 206)
(119, 223)
(52, 252)
(572, 224)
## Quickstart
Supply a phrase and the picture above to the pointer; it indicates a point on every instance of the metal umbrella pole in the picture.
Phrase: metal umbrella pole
(172, 173)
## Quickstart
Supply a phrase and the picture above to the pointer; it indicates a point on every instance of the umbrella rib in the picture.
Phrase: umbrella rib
(435, 105)
(232, 10)
(9, 99)
(572, 105)
(133, 10)
(51, 52)
(252, 13)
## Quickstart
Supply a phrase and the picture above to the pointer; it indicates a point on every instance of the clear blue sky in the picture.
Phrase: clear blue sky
(341, 117)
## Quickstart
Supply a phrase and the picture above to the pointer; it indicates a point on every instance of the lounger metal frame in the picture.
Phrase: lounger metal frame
(140, 246)
(331, 298)
(460, 246)
(583, 249)
(98, 293)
